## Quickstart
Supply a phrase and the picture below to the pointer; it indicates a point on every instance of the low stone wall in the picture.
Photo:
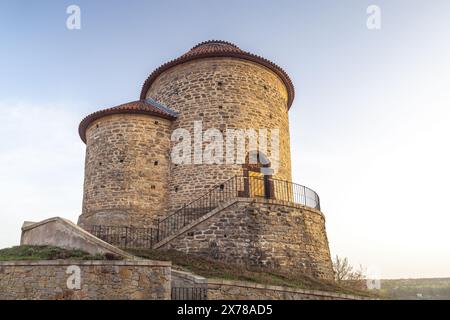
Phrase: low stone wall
(98, 280)
(262, 233)
(240, 290)
(188, 286)
(60, 232)
(183, 279)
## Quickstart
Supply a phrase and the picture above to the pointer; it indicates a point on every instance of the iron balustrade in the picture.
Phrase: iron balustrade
(295, 193)
(189, 293)
(126, 237)
(238, 186)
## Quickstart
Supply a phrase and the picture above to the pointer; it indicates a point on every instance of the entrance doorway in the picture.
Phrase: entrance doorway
(257, 184)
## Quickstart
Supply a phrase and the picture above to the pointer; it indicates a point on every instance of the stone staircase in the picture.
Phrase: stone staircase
(192, 224)
(195, 212)
(197, 209)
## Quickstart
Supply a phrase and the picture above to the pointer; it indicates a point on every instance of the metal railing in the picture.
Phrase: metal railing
(126, 237)
(238, 186)
(295, 193)
(199, 207)
(190, 293)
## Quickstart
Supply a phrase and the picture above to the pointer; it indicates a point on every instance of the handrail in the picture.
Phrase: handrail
(237, 186)
(187, 204)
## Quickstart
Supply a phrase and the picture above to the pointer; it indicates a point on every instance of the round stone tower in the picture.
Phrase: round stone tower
(132, 178)
(222, 87)
(127, 164)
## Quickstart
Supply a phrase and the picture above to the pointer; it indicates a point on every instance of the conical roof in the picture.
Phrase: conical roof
(219, 48)
(147, 106)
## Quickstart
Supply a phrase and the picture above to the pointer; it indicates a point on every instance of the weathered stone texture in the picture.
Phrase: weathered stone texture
(241, 290)
(223, 93)
(126, 170)
(63, 233)
(130, 179)
(100, 280)
(263, 233)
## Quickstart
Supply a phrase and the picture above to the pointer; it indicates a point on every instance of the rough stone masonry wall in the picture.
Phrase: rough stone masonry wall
(263, 233)
(100, 280)
(240, 290)
(126, 170)
(224, 93)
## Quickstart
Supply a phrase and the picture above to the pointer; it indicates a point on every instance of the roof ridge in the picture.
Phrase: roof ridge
(224, 49)
(214, 41)
(161, 106)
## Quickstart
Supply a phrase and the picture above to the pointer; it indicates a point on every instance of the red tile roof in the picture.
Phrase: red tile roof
(218, 48)
(149, 107)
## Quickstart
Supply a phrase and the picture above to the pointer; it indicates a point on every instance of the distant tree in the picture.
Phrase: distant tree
(346, 274)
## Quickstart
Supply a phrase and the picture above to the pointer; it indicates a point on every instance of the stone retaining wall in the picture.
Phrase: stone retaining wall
(99, 280)
(262, 233)
(137, 280)
(240, 290)
(60, 232)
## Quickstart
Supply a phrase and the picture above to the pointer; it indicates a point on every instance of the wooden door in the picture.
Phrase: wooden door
(256, 184)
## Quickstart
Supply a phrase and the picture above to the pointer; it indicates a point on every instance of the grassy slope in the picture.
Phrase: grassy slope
(215, 269)
(45, 253)
(202, 266)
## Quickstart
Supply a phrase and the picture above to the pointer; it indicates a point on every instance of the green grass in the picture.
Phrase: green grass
(209, 268)
(48, 253)
(205, 267)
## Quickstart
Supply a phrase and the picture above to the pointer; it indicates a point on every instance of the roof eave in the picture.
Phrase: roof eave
(87, 121)
(240, 55)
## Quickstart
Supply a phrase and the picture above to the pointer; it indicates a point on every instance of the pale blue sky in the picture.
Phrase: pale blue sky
(369, 125)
